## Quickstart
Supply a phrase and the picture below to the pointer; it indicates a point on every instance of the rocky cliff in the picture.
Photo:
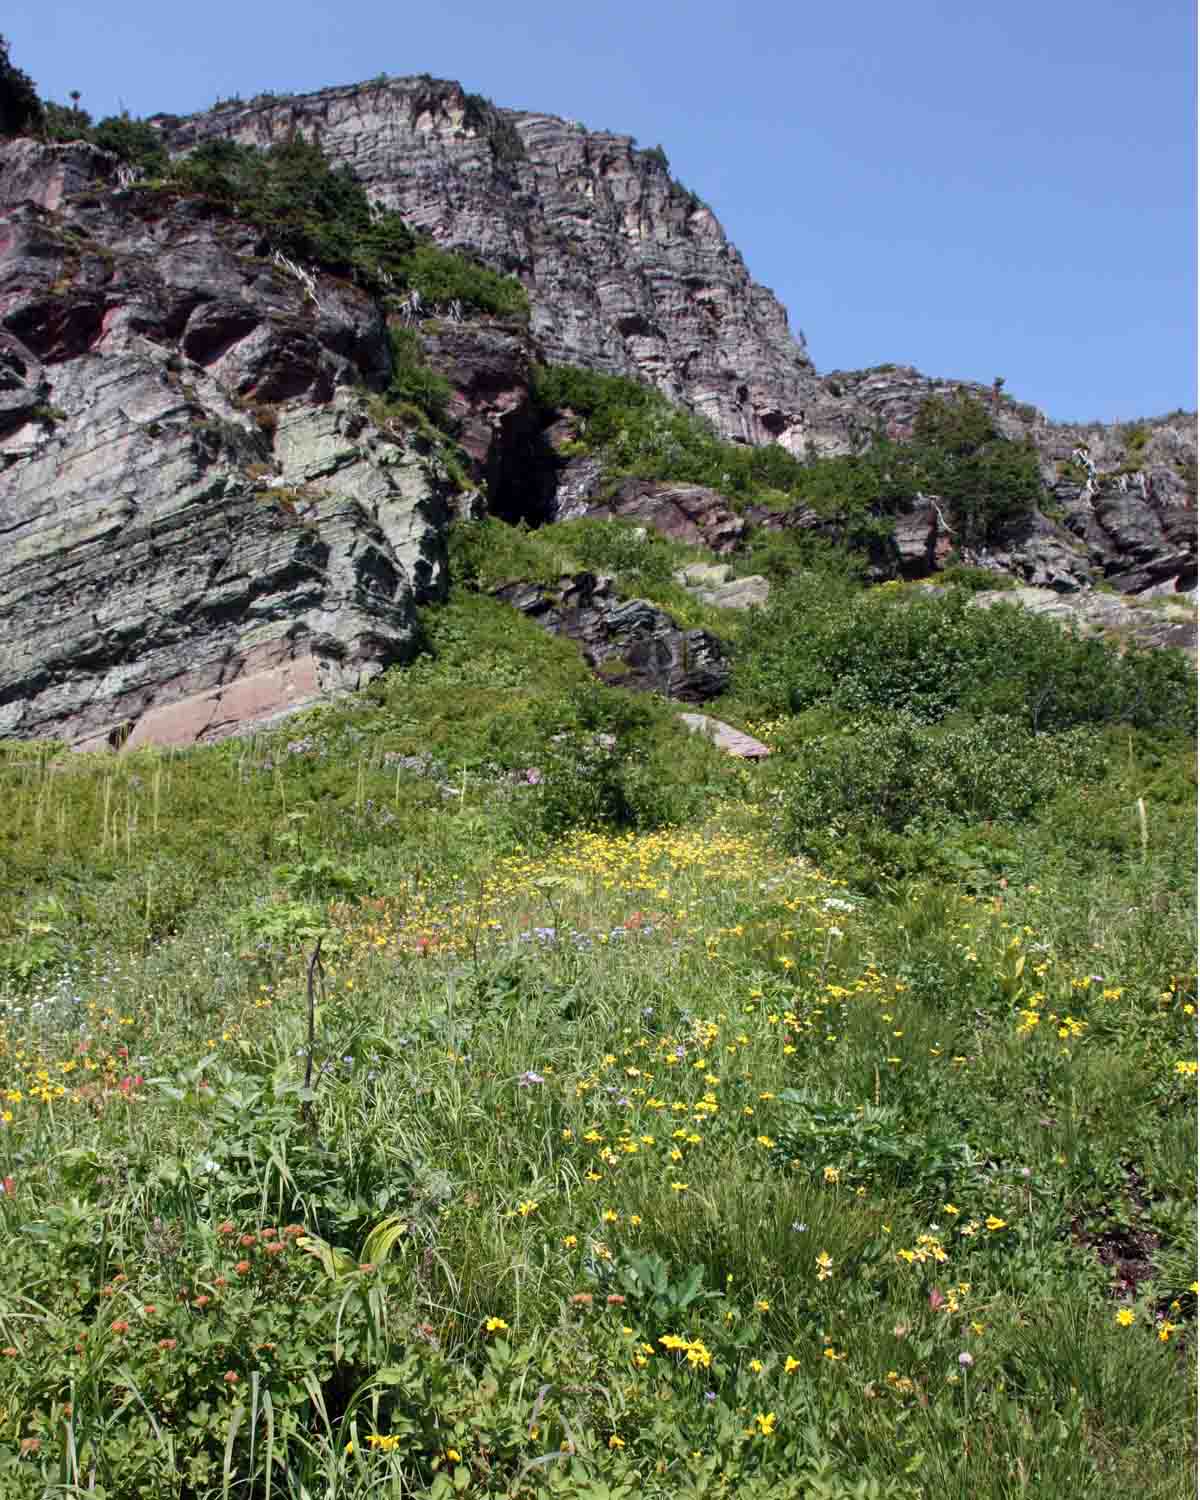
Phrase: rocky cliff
(210, 517)
(202, 524)
(628, 272)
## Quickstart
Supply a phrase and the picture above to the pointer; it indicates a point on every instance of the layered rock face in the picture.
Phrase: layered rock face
(1121, 498)
(208, 519)
(629, 642)
(202, 524)
(627, 271)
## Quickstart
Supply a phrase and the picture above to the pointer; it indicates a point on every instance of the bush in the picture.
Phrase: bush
(929, 656)
(442, 277)
(134, 141)
(877, 798)
(321, 215)
(305, 208)
(985, 480)
(611, 759)
(414, 382)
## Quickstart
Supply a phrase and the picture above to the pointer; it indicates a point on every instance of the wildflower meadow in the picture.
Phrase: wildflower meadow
(484, 1087)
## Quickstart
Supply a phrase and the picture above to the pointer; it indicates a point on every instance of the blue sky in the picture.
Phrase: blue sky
(1007, 190)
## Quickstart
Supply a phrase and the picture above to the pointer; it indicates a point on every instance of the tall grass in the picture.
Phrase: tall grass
(647, 1160)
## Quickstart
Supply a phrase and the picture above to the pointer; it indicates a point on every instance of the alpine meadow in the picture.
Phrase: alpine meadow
(577, 919)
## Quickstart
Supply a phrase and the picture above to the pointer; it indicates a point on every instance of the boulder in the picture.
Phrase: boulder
(689, 513)
(627, 642)
(726, 737)
(713, 583)
(1093, 613)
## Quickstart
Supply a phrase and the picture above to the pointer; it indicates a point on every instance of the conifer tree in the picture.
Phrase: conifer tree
(20, 107)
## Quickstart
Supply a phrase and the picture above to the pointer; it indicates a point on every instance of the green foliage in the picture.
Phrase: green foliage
(484, 554)
(312, 212)
(413, 382)
(653, 1291)
(630, 1165)
(929, 656)
(852, 799)
(785, 555)
(480, 114)
(611, 760)
(870, 1145)
(988, 481)
(985, 481)
(134, 141)
(640, 432)
(61, 122)
(442, 277)
(974, 580)
(321, 215)
(20, 108)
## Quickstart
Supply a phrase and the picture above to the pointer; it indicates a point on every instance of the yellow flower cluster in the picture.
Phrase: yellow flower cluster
(698, 1354)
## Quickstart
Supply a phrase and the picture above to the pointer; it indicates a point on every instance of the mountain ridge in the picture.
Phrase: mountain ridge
(211, 499)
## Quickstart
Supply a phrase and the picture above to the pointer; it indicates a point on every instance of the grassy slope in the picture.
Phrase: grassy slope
(930, 1149)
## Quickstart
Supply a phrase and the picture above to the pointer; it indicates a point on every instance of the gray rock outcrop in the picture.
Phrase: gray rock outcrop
(1158, 623)
(714, 583)
(1121, 497)
(203, 525)
(627, 642)
(628, 272)
(689, 513)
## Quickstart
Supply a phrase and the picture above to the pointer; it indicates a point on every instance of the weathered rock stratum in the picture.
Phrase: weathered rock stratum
(202, 526)
(629, 642)
(627, 271)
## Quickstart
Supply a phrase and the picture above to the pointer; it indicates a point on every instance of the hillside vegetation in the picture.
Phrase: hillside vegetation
(481, 1085)
(645, 1123)
(318, 214)
(985, 480)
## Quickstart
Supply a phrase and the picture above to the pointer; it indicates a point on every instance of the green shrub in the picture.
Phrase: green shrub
(974, 580)
(876, 799)
(896, 770)
(486, 553)
(20, 108)
(988, 481)
(321, 215)
(312, 212)
(412, 380)
(929, 656)
(985, 480)
(134, 141)
(441, 277)
(611, 759)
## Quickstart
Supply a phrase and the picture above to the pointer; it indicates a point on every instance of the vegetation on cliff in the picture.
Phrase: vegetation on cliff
(320, 215)
(19, 103)
(316, 214)
(985, 480)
